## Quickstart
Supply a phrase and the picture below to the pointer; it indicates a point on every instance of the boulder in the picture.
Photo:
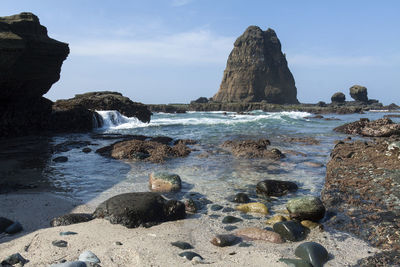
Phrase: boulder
(313, 253)
(338, 98)
(71, 218)
(257, 70)
(359, 93)
(108, 101)
(275, 188)
(140, 209)
(30, 63)
(164, 182)
(379, 128)
(306, 208)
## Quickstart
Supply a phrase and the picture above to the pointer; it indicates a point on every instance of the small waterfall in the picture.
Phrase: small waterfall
(97, 120)
(114, 119)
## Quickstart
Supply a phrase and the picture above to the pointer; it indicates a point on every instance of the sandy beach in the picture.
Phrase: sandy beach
(146, 246)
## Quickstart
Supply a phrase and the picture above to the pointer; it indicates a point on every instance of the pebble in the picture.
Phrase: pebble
(60, 159)
(241, 198)
(214, 216)
(14, 259)
(296, 262)
(189, 255)
(225, 240)
(255, 207)
(182, 245)
(13, 228)
(68, 233)
(311, 225)
(86, 150)
(231, 219)
(290, 230)
(88, 256)
(118, 243)
(216, 207)
(276, 219)
(60, 243)
(70, 264)
(312, 252)
(228, 209)
(230, 228)
(306, 208)
(254, 233)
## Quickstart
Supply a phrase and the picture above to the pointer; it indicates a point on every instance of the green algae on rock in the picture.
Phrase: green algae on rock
(306, 208)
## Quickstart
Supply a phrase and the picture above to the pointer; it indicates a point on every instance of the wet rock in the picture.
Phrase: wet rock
(240, 198)
(189, 255)
(69, 145)
(60, 243)
(216, 207)
(214, 216)
(70, 264)
(306, 208)
(312, 252)
(4, 224)
(338, 98)
(275, 188)
(14, 228)
(231, 219)
(191, 206)
(296, 262)
(311, 225)
(86, 150)
(314, 164)
(276, 219)
(359, 93)
(225, 240)
(68, 233)
(88, 256)
(60, 159)
(253, 149)
(228, 209)
(14, 259)
(182, 245)
(290, 230)
(71, 218)
(254, 233)
(230, 228)
(378, 128)
(140, 209)
(164, 182)
(303, 140)
(255, 207)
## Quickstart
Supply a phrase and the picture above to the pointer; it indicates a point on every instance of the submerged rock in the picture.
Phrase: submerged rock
(257, 70)
(225, 240)
(254, 233)
(216, 207)
(275, 188)
(140, 209)
(255, 207)
(164, 182)
(312, 252)
(253, 149)
(290, 230)
(306, 208)
(231, 219)
(71, 218)
(60, 159)
(240, 198)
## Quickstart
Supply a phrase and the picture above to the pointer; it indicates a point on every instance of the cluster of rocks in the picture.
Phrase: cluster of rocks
(362, 187)
(358, 93)
(253, 149)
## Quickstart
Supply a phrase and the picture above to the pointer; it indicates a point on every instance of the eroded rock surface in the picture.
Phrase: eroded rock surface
(253, 149)
(378, 128)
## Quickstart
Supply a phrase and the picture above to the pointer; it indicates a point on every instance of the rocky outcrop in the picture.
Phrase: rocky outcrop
(30, 63)
(257, 70)
(359, 93)
(338, 98)
(252, 149)
(378, 128)
(108, 101)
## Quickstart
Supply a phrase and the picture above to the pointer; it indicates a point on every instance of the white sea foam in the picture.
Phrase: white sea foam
(114, 120)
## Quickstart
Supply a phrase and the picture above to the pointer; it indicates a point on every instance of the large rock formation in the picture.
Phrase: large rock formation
(107, 101)
(359, 93)
(257, 70)
(30, 62)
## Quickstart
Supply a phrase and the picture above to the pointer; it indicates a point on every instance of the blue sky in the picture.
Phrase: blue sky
(174, 51)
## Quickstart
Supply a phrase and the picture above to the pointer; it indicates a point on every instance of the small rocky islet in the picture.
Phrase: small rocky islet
(355, 204)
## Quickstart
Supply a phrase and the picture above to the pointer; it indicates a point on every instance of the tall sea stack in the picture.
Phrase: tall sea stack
(257, 70)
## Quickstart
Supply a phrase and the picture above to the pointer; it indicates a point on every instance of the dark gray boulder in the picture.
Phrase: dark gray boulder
(140, 209)
(338, 98)
(359, 93)
(275, 188)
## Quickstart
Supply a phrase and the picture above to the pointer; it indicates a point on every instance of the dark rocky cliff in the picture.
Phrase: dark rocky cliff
(257, 70)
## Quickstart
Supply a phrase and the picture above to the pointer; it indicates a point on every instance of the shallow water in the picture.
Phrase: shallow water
(209, 171)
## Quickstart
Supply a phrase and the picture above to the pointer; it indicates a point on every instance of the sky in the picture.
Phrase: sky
(174, 51)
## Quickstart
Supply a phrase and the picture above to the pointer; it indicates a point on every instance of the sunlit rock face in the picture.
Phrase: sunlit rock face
(257, 70)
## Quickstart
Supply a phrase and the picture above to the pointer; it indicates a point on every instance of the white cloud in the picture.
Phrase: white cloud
(178, 3)
(199, 46)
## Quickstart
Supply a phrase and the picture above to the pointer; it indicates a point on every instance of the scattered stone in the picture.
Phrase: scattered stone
(71, 218)
(275, 188)
(86, 150)
(60, 159)
(189, 255)
(290, 230)
(276, 219)
(241, 198)
(68, 233)
(88, 256)
(231, 219)
(60, 243)
(164, 182)
(247, 216)
(70, 264)
(140, 209)
(312, 252)
(214, 216)
(190, 206)
(254, 233)
(118, 243)
(228, 209)
(359, 93)
(230, 228)
(225, 240)
(245, 245)
(338, 98)
(255, 207)
(4, 224)
(13, 228)
(253, 149)
(216, 207)
(306, 208)
(313, 164)
(182, 245)
(296, 262)
(311, 225)
(14, 259)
